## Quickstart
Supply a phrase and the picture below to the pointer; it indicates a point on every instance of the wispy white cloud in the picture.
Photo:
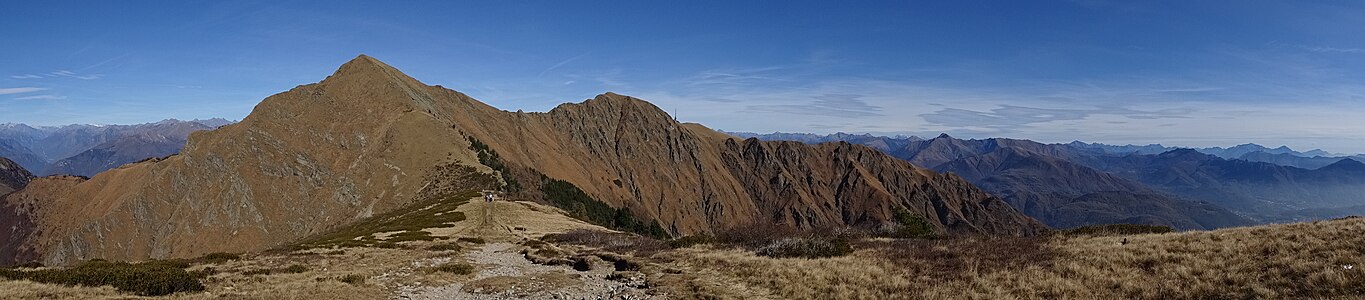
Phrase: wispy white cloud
(561, 64)
(1333, 49)
(69, 74)
(59, 73)
(1316, 48)
(20, 90)
(41, 97)
(833, 105)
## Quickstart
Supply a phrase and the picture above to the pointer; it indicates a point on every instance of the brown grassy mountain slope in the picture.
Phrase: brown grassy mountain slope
(369, 139)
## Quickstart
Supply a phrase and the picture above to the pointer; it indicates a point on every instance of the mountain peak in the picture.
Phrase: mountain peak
(1345, 164)
(364, 68)
(1185, 153)
(362, 64)
(362, 58)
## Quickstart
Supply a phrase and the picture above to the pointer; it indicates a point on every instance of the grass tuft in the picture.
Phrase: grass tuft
(444, 247)
(454, 268)
(1118, 229)
(806, 247)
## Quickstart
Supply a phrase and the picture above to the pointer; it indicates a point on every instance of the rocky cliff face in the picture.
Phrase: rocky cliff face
(12, 176)
(369, 139)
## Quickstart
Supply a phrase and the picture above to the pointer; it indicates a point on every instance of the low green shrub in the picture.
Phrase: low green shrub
(475, 240)
(292, 269)
(454, 268)
(412, 235)
(153, 278)
(353, 279)
(444, 247)
(910, 225)
(218, 257)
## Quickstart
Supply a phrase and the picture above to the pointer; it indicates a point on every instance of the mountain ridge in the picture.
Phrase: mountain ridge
(1049, 182)
(369, 139)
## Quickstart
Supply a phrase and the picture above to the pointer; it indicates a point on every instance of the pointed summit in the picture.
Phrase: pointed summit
(360, 64)
(367, 69)
(362, 87)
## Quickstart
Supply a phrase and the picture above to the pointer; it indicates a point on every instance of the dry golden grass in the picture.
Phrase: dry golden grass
(346, 273)
(1306, 260)
(24, 289)
(313, 274)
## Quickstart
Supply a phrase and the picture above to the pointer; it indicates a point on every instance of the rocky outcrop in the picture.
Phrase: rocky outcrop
(369, 139)
(12, 176)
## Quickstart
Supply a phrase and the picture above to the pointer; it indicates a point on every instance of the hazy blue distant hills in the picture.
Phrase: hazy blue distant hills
(85, 150)
(1083, 183)
(1285, 159)
(20, 154)
(1259, 189)
(1065, 194)
(1234, 152)
(1042, 181)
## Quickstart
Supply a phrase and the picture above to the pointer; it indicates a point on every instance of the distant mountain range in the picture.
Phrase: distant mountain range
(1067, 185)
(1228, 153)
(86, 150)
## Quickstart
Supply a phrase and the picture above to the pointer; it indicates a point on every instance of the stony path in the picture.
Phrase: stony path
(504, 273)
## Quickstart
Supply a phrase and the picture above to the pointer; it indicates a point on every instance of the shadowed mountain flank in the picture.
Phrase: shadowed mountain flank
(12, 176)
(1047, 182)
(369, 139)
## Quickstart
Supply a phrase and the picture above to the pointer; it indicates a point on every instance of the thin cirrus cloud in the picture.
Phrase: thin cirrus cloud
(41, 97)
(20, 90)
(1011, 116)
(1334, 50)
(59, 74)
(831, 105)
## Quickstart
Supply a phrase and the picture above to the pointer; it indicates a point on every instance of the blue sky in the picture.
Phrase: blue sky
(1193, 73)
